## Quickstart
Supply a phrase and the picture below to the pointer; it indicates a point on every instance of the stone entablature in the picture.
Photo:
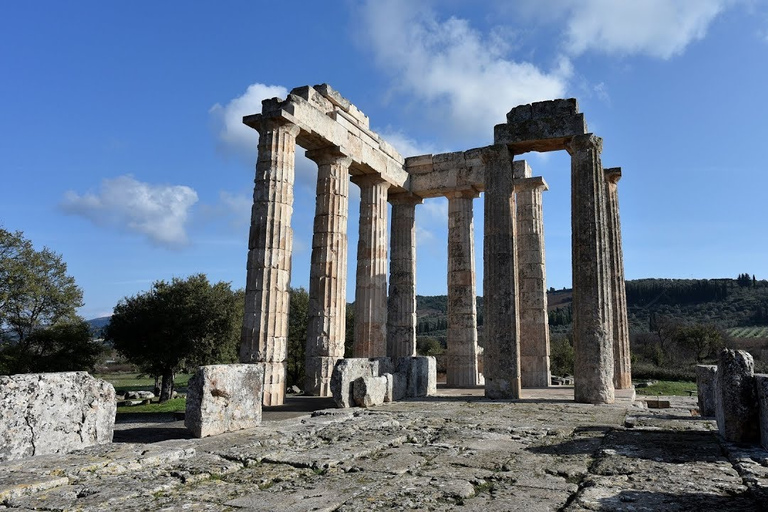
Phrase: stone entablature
(338, 137)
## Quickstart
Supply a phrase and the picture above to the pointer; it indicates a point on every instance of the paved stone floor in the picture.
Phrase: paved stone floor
(457, 450)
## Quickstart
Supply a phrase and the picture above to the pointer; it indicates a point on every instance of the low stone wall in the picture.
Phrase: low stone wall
(368, 382)
(224, 398)
(706, 380)
(46, 413)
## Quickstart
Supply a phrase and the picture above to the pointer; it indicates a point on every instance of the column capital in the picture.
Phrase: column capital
(468, 193)
(329, 155)
(584, 142)
(405, 198)
(613, 174)
(368, 179)
(260, 123)
(535, 183)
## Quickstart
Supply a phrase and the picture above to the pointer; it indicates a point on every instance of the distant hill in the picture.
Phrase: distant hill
(727, 303)
(97, 324)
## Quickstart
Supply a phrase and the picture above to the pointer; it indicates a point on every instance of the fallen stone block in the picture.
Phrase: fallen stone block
(706, 377)
(369, 391)
(46, 413)
(761, 384)
(736, 407)
(346, 371)
(224, 398)
(421, 375)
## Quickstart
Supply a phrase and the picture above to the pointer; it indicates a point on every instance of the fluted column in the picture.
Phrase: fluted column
(328, 273)
(622, 366)
(461, 357)
(371, 289)
(265, 324)
(501, 359)
(401, 309)
(532, 276)
(592, 309)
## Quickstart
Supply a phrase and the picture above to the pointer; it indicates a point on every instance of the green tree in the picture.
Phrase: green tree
(297, 336)
(428, 346)
(186, 322)
(561, 355)
(35, 290)
(701, 340)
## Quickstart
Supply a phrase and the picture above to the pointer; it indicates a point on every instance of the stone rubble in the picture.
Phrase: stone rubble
(44, 413)
(429, 454)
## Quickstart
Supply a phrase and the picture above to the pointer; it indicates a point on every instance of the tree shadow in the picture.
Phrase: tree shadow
(681, 502)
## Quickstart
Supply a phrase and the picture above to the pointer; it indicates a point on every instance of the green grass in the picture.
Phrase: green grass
(173, 405)
(668, 387)
(139, 382)
(749, 332)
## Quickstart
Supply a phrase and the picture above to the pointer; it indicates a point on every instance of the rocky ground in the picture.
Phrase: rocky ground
(434, 454)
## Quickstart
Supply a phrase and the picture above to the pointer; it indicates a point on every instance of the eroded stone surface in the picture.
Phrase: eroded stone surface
(736, 407)
(706, 379)
(43, 413)
(435, 454)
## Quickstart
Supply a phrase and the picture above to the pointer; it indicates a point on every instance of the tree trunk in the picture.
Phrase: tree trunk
(166, 391)
(157, 388)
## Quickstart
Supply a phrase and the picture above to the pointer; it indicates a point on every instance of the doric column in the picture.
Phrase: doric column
(622, 366)
(501, 359)
(534, 326)
(401, 310)
(371, 289)
(592, 310)
(265, 324)
(328, 273)
(461, 357)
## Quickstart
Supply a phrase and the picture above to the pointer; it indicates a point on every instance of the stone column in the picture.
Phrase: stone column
(501, 359)
(461, 357)
(328, 274)
(265, 324)
(534, 321)
(371, 289)
(592, 309)
(622, 370)
(401, 314)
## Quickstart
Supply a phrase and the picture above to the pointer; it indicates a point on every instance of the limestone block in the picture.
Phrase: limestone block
(45, 413)
(706, 376)
(369, 391)
(224, 398)
(345, 372)
(761, 383)
(736, 399)
(421, 375)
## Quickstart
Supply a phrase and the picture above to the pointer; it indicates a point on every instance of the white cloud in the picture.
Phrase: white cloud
(406, 145)
(228, 119)
(658, 28)
(450, 65)
(159, 212)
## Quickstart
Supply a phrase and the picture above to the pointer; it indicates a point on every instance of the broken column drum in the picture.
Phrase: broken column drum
(338, 138)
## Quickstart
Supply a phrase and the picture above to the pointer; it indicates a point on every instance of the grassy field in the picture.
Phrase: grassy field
(173, 405)
(139, 382)
(749, 332)
(668, 387)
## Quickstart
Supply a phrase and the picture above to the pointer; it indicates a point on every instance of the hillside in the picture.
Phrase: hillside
(735, 305)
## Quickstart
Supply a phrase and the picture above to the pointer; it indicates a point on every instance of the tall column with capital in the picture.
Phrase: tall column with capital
(328, 271)
(534, 326)
(371, 289)
(501, 358)
(622, 366)
(461, 357)
(592, 305)
(265, 324)
(401, 310)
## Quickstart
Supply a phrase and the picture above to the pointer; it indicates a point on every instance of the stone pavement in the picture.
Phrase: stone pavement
(543, 452)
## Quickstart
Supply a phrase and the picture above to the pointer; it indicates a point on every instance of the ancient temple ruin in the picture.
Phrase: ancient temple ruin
(336, 135)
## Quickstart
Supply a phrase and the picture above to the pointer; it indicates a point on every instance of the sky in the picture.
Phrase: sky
(122, 148)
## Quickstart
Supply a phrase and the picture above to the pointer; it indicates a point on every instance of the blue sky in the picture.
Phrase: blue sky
(121, 146)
